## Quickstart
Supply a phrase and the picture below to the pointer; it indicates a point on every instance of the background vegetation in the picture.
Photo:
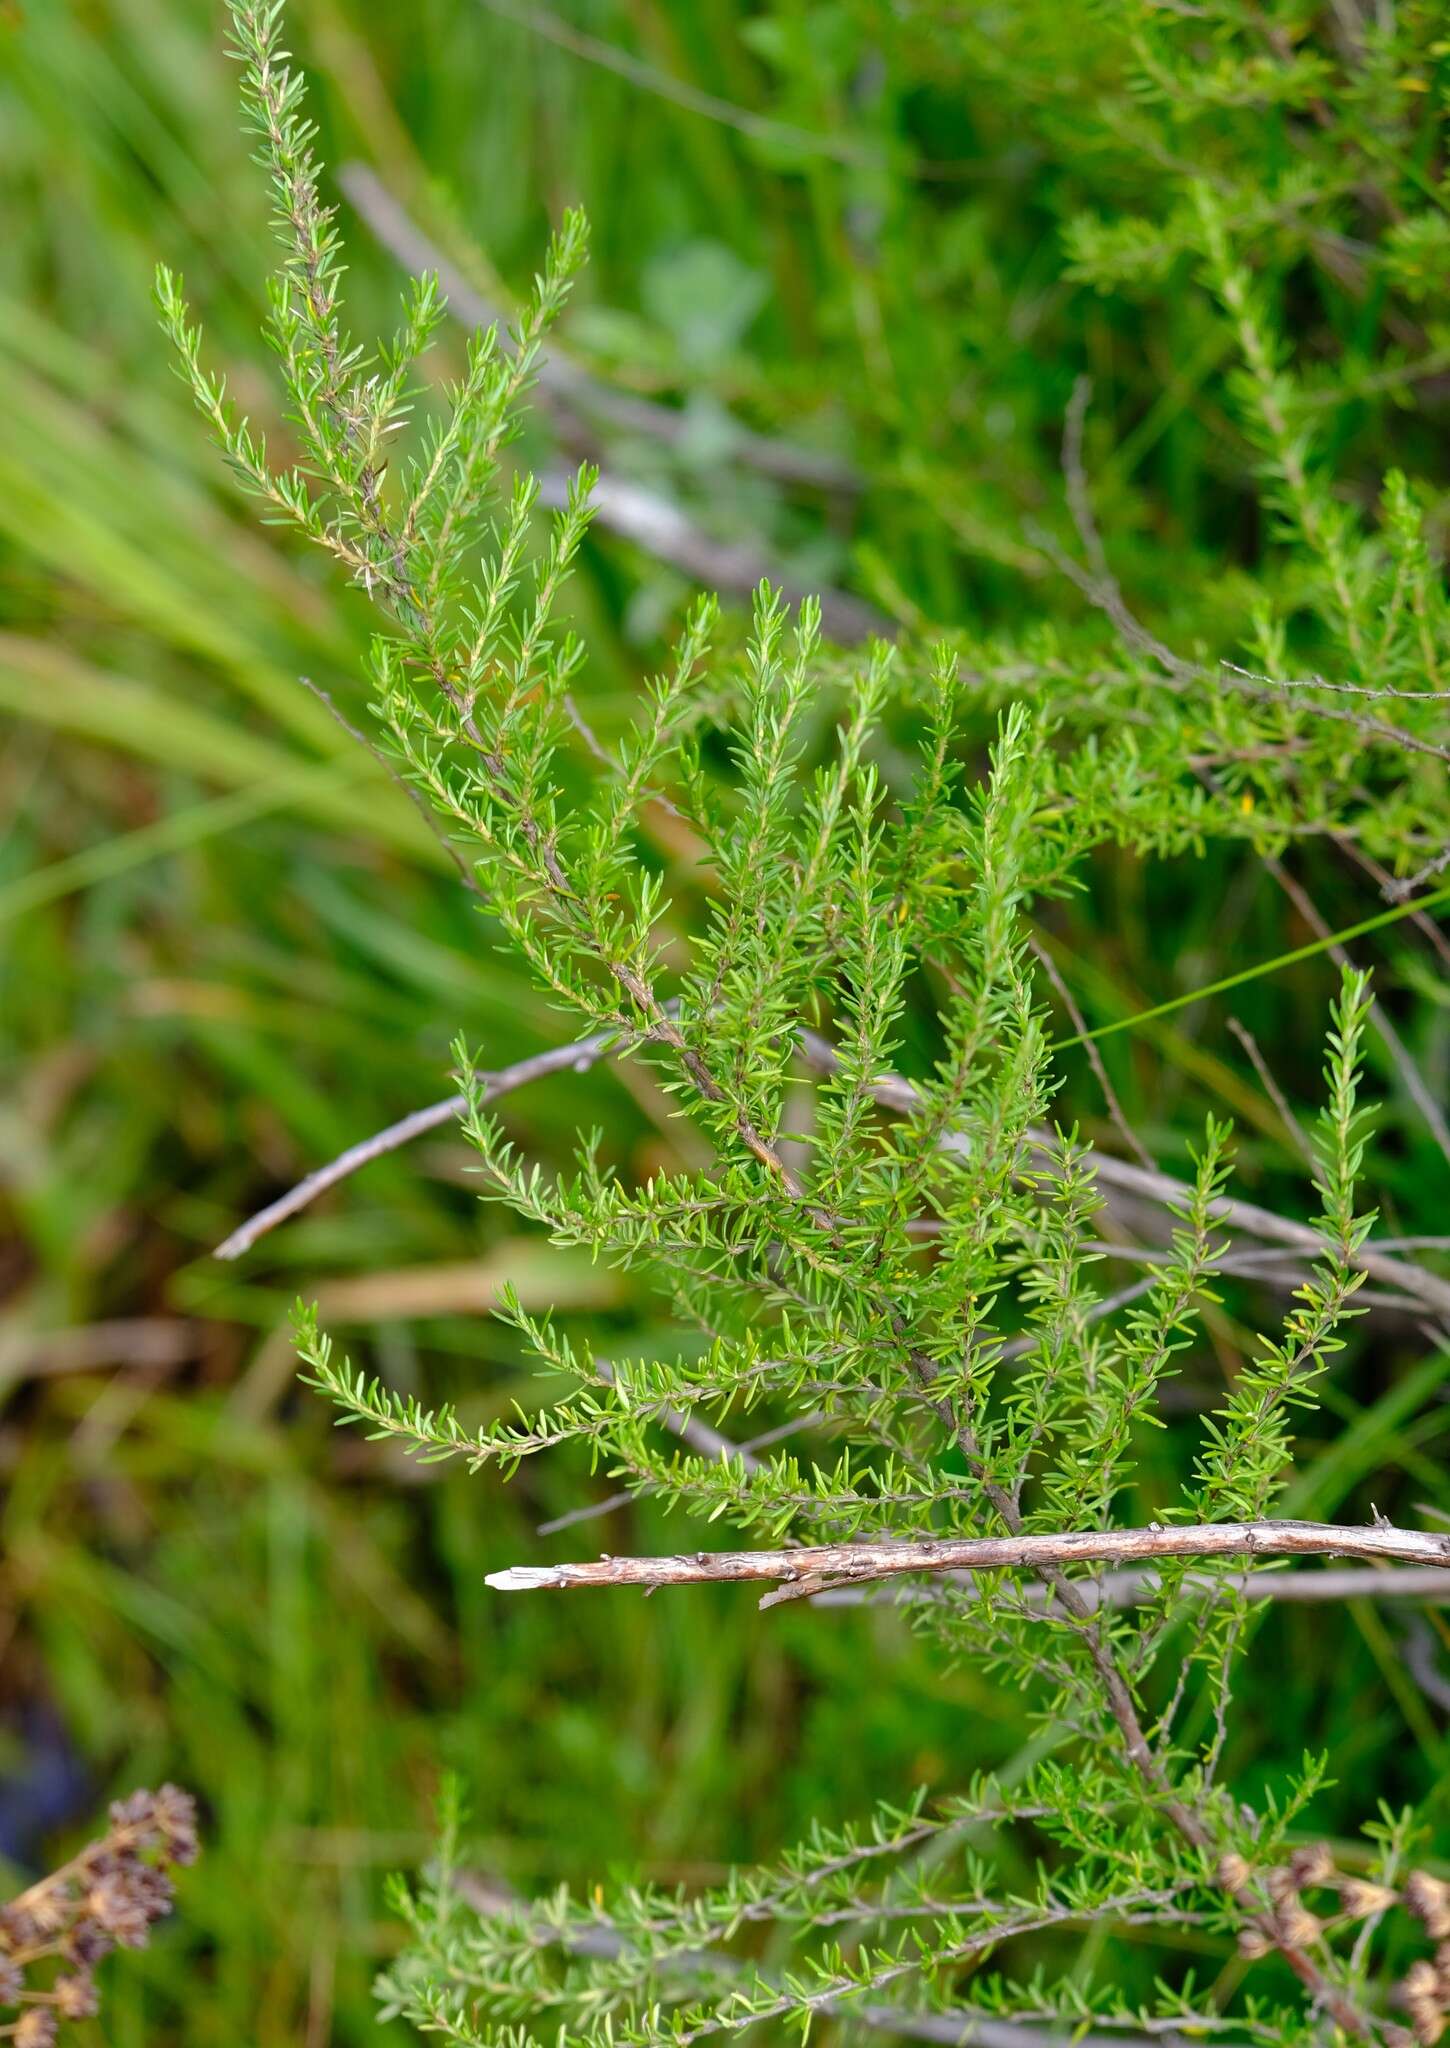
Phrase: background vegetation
(899, 237)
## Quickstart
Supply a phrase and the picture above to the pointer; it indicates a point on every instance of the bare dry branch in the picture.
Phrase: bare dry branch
(1133, 1585)
(1100, 587)
(658, 525)
(1095, 1059)
(853, 1563)
(575, 399)
(892, 1091)
(578, 1057)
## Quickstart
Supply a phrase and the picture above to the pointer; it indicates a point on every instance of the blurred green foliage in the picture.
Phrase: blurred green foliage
(228, 948)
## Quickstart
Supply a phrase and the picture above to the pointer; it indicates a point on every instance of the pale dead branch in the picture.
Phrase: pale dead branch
(892, 1091)
(816, 1566)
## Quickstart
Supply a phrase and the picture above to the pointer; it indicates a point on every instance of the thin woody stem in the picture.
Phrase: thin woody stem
(853, 1563)
(559, 1059)
(1134, 1585)
(892, 1091)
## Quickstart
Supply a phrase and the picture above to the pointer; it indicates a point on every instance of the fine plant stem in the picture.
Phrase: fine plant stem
(891, 1090)
(1136, 1585)
(577, 1058)
(855, 1562)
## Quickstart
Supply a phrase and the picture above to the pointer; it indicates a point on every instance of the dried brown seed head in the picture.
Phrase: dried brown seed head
(76, 1997)
(112, 1904)
(1296, 1926)
(1428, 1898)
(176, 1818)
(1312, 1865)
(151, 1889)
(17, 1928)
(1232, 1872)
(136, 1816)
(50, 1909)
(87, 1942)
(1419, 1994)
(1359, 1898)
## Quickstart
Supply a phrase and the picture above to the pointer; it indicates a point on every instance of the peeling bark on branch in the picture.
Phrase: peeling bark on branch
(813, 1568)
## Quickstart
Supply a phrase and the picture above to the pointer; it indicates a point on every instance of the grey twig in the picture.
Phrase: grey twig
(1133, 1585)
(1100, 587)
(1400, 891)
(893, 1091)
(854, 1563)
(662, 529)
(349, 1162)
(980, 2030)
(578, 1057)
(1275, 1093)
(633, 512)
(1095, 1059)
(562, 383)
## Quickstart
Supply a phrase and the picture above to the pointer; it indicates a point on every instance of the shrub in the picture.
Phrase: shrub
(896, 1246)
